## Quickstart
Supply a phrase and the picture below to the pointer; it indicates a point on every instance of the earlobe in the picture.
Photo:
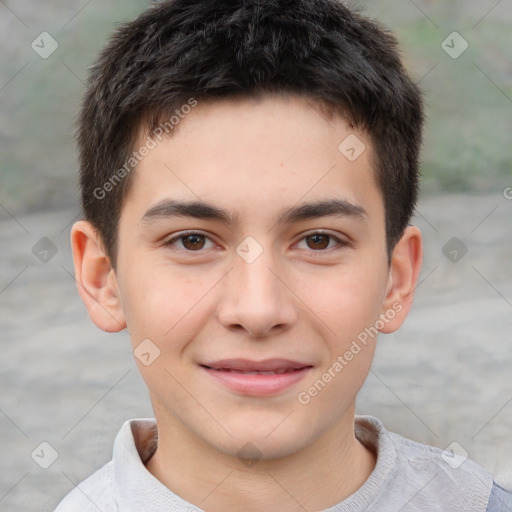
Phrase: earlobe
(95, 278)
(403, 276)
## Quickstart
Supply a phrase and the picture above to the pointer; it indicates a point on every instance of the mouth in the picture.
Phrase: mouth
(248, 377)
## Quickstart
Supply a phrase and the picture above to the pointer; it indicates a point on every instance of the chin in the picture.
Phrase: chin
(268, 438)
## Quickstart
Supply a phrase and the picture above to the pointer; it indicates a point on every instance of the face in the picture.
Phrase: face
(228, 296)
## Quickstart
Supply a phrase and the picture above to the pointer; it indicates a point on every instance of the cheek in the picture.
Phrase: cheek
(346, 300)
(162, 304)
(348, 305)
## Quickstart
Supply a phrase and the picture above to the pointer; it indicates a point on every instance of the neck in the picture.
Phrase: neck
(322, 474)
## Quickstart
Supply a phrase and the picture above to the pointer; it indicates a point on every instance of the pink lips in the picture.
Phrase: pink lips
(257, 377)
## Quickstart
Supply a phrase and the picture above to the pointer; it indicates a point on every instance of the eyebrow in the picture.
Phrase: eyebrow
(169, 208)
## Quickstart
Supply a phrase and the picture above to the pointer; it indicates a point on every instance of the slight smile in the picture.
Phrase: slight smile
(257, 378)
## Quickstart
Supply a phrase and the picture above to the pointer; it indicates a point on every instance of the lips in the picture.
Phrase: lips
(267, 366)
(257, 378)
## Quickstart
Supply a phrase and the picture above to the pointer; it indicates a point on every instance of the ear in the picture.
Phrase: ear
(403, 276)
(96, 279)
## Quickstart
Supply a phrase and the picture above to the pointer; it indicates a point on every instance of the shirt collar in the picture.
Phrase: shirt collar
(135, 487)
(138, 490)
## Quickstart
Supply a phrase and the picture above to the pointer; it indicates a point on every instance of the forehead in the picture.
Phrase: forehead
(253, 154)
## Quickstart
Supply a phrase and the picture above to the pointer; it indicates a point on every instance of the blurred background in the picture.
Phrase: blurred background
(444, 378)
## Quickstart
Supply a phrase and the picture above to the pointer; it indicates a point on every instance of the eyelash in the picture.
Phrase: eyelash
(184, 234)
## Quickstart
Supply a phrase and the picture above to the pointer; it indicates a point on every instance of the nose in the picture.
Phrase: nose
(257, 298)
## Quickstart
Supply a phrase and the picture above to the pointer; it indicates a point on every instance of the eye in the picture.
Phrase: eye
(192, 241)
(319, 241)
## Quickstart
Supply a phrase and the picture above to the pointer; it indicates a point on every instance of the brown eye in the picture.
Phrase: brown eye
(191, 242)
(319, 241)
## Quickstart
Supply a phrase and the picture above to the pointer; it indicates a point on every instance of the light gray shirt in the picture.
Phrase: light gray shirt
(408, 477)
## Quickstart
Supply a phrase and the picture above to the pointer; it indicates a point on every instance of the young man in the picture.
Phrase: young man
(248, 173)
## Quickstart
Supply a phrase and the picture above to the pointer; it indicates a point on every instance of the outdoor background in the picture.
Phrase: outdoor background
(443, 379)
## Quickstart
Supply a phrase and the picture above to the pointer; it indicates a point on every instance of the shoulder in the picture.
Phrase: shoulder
(93, 494)
(500, 499)
(414, 457)
(423, 477)
(451, 477)
(447, 462)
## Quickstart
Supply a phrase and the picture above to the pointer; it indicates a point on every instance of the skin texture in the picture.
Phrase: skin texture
(300, 299)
